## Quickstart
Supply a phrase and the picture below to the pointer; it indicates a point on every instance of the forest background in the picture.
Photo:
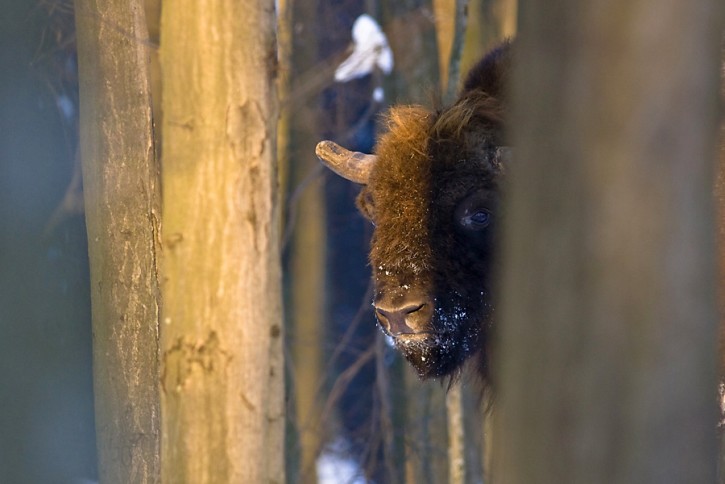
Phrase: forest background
(351, 404)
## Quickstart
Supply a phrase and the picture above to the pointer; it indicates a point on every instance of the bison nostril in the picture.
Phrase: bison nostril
(412, 308)
(399, 320)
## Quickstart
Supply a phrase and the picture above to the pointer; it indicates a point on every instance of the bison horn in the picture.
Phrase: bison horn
(352, 165)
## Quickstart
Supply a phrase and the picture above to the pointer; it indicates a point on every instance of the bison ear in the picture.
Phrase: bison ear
(351, 165)
(491, 74)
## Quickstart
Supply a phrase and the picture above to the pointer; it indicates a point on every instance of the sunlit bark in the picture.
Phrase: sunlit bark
(222, 374)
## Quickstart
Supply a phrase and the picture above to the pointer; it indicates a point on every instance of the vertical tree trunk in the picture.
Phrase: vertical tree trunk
(306, 252)
(492, 21)
(456, 454)
(412, 36)
(122, 198)
(608, 317)
(451, 26)
(222, 383)
(720, 200)
(308, 288)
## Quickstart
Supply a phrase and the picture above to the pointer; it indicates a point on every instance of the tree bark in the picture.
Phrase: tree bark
(222, 382)
(609, 325)
(122, 198)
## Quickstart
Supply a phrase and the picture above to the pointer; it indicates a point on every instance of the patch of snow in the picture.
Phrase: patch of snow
(370, 49)
(389, 341)
(66, 107)
(334, 468)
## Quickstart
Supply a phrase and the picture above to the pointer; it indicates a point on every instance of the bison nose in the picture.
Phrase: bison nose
(406, 319)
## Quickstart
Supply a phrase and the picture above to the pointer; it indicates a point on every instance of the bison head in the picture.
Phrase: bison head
(432, 192)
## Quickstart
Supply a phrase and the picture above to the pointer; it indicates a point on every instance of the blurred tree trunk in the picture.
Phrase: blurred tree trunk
(445, 25)
(609, 325)
(451, 25)
(222, 384)
(306, 254)
(456, 452)
(720, 200)
(412, 36)
(122, 198)
(492, 22)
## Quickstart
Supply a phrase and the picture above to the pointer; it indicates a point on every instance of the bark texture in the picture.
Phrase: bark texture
(609, 318)
(122, 198)
(222, 381)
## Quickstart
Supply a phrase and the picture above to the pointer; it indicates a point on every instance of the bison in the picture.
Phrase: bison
(432, 192)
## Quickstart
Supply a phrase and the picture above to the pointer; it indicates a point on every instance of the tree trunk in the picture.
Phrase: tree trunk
(122, 198)
(412, 36)
(307, 290)
(222, 384)
(608, 326)
(306, 275)
(720, 201)
(456, 452)
(451, 21)
(491, 22)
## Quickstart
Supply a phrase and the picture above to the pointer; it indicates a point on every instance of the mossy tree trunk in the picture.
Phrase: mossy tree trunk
(222, 374)
(608, 330)
(122, 199)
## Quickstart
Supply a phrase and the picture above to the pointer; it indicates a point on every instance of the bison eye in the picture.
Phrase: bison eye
(477, 220)
(476, 211)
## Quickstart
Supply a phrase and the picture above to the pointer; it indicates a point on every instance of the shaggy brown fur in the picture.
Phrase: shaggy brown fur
(433, 197)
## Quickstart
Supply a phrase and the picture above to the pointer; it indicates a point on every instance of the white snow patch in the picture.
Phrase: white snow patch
(334, 468)
(66, 107)
(370, 49)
